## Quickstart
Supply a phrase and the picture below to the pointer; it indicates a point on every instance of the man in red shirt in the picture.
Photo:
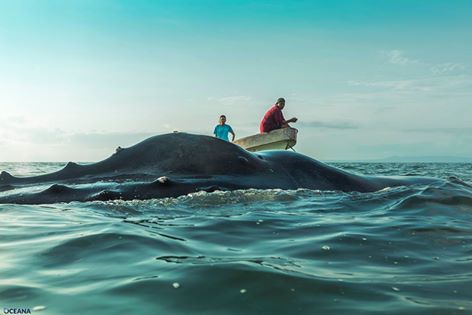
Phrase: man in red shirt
(274, 119)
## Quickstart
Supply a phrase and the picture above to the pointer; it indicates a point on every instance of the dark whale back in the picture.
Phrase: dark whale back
(310, 173)
(174, 164)
(184, 154)
(174, 153)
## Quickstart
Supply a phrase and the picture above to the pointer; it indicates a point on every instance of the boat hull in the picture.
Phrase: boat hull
(279, 139)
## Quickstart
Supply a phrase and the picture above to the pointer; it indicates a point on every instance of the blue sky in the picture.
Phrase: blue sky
(367, 79)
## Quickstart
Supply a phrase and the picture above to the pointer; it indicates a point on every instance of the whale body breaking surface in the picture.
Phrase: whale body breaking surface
(176, 164)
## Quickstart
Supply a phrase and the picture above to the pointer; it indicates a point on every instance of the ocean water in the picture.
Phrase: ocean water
(402, 250)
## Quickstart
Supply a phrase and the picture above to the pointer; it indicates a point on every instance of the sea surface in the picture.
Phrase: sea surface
(401, 250)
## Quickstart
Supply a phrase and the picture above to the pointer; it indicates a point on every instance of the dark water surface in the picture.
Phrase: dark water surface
(402, 250)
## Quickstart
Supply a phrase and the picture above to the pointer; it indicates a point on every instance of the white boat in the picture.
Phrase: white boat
(279, 139)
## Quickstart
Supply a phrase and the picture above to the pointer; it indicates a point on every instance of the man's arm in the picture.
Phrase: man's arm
(294, 119)
(280, 119)
(232, 133)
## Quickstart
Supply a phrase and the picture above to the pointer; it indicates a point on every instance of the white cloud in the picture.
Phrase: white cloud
(398, 57)
(231, 100)
(466, 131)
(23, 138)
(446, 68)
(399, 85)
(452, 84)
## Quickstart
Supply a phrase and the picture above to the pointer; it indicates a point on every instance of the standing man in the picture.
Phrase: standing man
(222, 129)
(274, 119)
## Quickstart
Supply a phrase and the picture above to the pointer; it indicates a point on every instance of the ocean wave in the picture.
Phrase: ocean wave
(405, 249)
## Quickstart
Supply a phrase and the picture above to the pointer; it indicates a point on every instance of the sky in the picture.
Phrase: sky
(367, 79)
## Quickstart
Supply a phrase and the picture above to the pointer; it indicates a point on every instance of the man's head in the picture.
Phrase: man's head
(280, 103)
(222, 119)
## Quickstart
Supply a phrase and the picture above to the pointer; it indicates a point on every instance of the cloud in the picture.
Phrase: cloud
(450, 84)
(106, 139)
(446, 68)
(25, 131)
(443, 130)
(59, 145)
(411, 85)
(231, 100)
(340, 125)
(398, 57)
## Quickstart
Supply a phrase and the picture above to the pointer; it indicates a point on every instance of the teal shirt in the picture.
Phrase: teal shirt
(221, 131)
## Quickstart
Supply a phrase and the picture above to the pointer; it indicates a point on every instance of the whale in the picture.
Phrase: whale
(176, 164)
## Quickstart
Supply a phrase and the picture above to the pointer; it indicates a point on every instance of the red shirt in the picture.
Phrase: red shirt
(273, 119)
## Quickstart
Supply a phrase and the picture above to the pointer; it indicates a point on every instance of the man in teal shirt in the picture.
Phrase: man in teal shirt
(222, 129)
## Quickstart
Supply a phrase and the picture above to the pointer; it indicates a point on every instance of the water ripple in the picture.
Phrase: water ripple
(399, 250)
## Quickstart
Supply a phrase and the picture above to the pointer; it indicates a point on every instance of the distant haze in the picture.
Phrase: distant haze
(414, 159)
(367, 79)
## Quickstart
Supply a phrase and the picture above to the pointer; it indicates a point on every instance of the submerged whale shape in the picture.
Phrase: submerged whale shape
(176, 164)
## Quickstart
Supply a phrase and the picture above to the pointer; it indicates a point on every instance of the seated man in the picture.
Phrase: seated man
(274, 119)
(222, 129)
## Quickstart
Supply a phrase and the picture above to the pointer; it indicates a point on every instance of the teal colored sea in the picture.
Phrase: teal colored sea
(402, 250)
